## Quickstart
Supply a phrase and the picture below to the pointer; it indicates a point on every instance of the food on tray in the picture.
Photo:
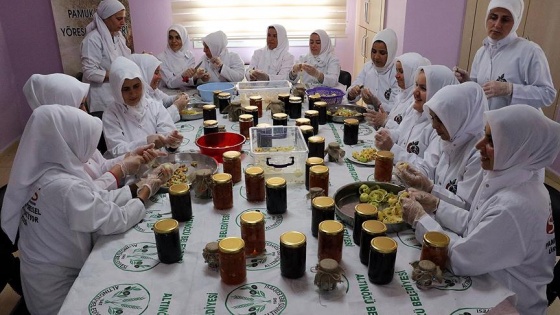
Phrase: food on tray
(179, 176)
(344, 112)
(190, 112)
(402, 166)
(275, 149)
(366, 155)
(389, 208)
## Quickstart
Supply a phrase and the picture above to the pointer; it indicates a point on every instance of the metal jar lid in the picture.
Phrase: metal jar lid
(331, 227)
(221, 178)
(210, 123)
(217, 92)
(251, 108)
(179, 189)
(384, 244)
(436, 239)
(293, 239)
(374, 227)
(323, 202)
(385, 155)
(231, 245)
(275, 182)
(255, 98)
(246, 117)
(315, 97)
(303, 121)
(252, 217)
(208, 107)
(280, 116)
(282, 95)
(365, 209)
(224, 95)
(165, 226)
(306, 129)
(320, 104)
(314, 161)
(311, 113)
(254, 171)
(231, 155)
(263, 125)
(351, 121)
(295, 99)
(319, 169)
(316, 139)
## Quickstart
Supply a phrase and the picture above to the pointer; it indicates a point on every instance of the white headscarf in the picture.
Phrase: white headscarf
(389, 37)
(523, 138)
(273, 57)
(326, 49)
(515, 7)
(437, 76)
(175, 60)
(148, 65)
(56, 88)
(56, 138)
(217, 43)
(123, 68)
(117, 46)
(410, 63)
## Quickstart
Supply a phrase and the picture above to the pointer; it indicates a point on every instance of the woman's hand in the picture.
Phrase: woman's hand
(157, 139)
(428, 201)
(258, 75)
(412, 210)
(461, 74)
(369, 98)
(189, 73)
(354, 92)
(377, 119)
(413, 177)
(311, 70)
(174, 139)
(216, 63)
(383, 140)
(181, 101)
(205, 77)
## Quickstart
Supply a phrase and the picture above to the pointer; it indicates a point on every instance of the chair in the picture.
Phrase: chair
(101, 146)
(553, 288)
(345, 78)
(9, 273)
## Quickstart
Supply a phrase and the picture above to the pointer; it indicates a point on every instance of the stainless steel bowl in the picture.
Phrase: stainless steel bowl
(360, 110)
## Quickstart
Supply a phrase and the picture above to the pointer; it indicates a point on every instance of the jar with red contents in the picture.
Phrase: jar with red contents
(319, 177)
(383, 166)
(232, 165)
(435, 248)
(253, 233)
(256, 100)
(245, 122)
(231, 255)
(254, 184)
(222, 191)
(331, 234)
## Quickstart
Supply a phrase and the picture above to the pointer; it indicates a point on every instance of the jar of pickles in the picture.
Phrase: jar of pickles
(295, 107)
(252, 110)
(321, 107)
(382, 258)
(232, 165)
(209, 112)
(252, 233)
(210, 126)
(330, 240)
(232, 260)
(254, 184)
(168, 244)
(319, 177)
(322, 208)
(313, 116)
(222, 191)
(370, 229)
(293, 247)
(224, 98)
(312, 161)
(180, 200)
(383, 166)
(316, 146)
(435, 248)
(351, 129)
(280, 119)
(306, 131)
(362, 213)
(312, 100)
(256, 100)
(276, 195)
(245, 122)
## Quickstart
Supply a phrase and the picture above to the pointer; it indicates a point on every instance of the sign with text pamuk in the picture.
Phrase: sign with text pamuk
(70, 19)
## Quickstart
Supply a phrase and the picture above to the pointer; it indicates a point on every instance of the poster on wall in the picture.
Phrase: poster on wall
(71, 18)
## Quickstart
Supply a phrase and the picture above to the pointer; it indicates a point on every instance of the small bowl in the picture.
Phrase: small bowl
(206, 91)
(328, 95)
(215, 144)
(360, 110)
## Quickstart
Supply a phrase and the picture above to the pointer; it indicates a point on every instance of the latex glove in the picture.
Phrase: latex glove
(131, 164)
(189, 73)
(216, 63)
(157, 139)
(296, 68)
(258, 75)
(412, 210)
(376, 119)
(383, 140)
(428, 201)
(174, 139)
(139, 150)
(370, 99)
(461, 74)
(181, 101)
(354, 91)
(152, 183)
(164, 172)
(412, 177)
(205, 77)
(497, 88)
(311, 70)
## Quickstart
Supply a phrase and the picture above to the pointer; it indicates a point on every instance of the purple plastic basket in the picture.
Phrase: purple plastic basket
(329, 95)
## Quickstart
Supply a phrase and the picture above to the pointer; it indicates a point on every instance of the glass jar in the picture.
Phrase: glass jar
(210, 253)
(370, 229)
(312, 161)
(293, 247)
(321, 107)
(313, 193)
(232, 165)
(316, 147)
(224, 99)
(328, 275)
(276, 195)
(245, 122)
(312, 100)
(382, 257)
(434, 248)
(362, 212)
(210, 126)
(256, 100)
(216, 98)
(322, 208)
(275, 107)
(234, 110)
(252, 110)
(202, 183)
(303, 121)
(331, 234)
(180, 200)
(319, 177)
(351, 128)
(252, 233)
(168, 244)
(285, 98)
(313, 116)
(280, 119)
(222, 191)
(295, 107)
(307, 132)
(209, 112)
(254, 184)
(232, 260)
(334, 152)
(383, 166)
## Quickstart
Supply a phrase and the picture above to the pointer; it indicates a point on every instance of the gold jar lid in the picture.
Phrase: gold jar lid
(374, 227)
(283, 95)
(384, 244)
(275, 182)
(255, 98)
(252, 217)
(319, 169)
(295, 99)
(292, 239)
(254, 171)
(385, 155)
(316, 139)
(231, 245)
(436, 239)
(314, 161)
(365, 209)
(303, 121)
(323, 202)
(306, 129)
(179, 189)
(315, 96)
(251, 108)
(210, 123)
(351, 121)
(231, 155)
(217, 92)
(221, 178)
(246, 117)
(224, 95)
(208, 107)
(331, 227)
(264, 125)
(280, 116)
(311, 113)
(320, 104)
(165, 226)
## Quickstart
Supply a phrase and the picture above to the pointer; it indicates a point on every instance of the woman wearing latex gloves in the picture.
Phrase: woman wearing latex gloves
(320, 66)
(510, 69)
(508, 231)
(177, 61)
(409, 141)
(62, 89)
(135, 120)
(406, 66)
(151, 72)
(274, 61)
(57, 208)
(219, 64)
(450, 170)
(376, 83)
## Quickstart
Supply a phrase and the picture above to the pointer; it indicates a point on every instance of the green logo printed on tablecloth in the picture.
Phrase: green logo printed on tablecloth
(211, 300)
(146, 225)
(364, 130)
(185, 127)
(451, 282)
(348, 242)
(224, 226)
(471, 311)
(406, 283)
(368, 298)
(199, 132)
(186, 233)
(164, 304)
(269, 259)
(407, 238)
(256, 298)
(136, 257)
(270, 221)
(121, 298)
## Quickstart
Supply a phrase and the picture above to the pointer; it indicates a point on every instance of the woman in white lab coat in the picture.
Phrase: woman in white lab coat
(219, 64)
(177, 61)
(273, 61)
(103, 43)
(319, 66)
(150, 67)
(133, 120)
(508, 231)
(57, 206)
(377, 78)
(511, 69)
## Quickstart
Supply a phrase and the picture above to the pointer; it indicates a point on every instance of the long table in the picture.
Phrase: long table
(122, 275)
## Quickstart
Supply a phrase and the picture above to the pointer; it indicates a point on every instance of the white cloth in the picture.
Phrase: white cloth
(174, 63)
(127, 127)
(326, 62)
(233, 68)
(509, 230)
(278, 62)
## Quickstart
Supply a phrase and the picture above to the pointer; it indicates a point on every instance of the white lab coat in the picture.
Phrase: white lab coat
(415, 134)
(233, 67)
(98, 168)
(278, 62)
(382, 85)
(174, 63)
(167, 101)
